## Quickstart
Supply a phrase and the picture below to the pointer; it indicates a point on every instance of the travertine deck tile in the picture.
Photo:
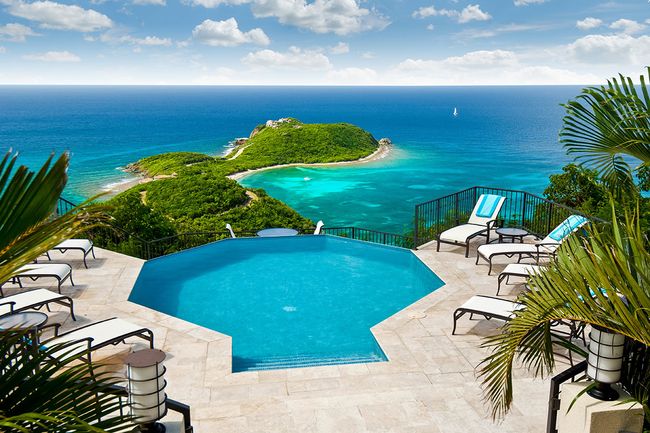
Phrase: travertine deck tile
(428, 385)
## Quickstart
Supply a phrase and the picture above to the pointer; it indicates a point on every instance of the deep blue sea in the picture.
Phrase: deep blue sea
(503, 136)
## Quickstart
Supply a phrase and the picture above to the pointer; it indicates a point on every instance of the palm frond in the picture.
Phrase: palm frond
(28, 224)
(604, 123)
(49, 390)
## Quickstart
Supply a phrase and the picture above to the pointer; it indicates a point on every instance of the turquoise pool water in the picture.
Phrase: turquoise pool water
(291, 301)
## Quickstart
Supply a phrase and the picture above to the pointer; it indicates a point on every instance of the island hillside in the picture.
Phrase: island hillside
(190, 192)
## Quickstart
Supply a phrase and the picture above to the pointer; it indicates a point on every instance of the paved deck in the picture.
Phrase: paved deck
(427, 386)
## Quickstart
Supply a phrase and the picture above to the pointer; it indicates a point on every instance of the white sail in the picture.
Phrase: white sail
(455, 112)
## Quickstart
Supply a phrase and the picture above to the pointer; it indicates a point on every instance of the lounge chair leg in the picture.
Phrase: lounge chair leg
(71, 305)
(438, 247)
(85, 264)
(467, 250)
(92, 250)
(490, 268)
(59, 286)
(500, 279)
(456, 317)
(71, 282)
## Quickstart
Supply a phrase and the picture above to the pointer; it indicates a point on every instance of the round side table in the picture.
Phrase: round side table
(511, 233)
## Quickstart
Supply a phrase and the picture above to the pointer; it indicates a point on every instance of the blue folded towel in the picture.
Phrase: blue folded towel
(567, 227)
(488, 205)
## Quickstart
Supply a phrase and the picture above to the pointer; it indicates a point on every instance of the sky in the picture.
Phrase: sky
(322, 42)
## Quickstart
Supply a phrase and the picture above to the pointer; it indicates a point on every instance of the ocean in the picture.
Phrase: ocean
(502, 137)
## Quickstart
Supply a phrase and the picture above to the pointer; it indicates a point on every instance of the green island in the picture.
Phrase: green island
(191, 192)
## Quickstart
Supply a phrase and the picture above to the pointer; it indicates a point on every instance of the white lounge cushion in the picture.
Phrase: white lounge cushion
(82, 244)
(488, 250)
(492, 306)
(461, 233)
(100, 332)
(60, 270)
(27, 299)
(521, 269)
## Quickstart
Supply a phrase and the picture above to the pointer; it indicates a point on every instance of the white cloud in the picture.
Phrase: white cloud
(589, 23)
(431, 11)
(2, 50)
(368, 55)
(340, 48)
(149, 2)
(479, 68)
(227, 34)
(322, 16)
(611, 49)
(52, 15)
(295, 58)
(528, 2)
(473, 13)
(430, 27)
(319, 16)
(629, 27)
(116, 38)
(469, 13)
(350, 76)
(54, 56)
(216, 3)
(15, 32)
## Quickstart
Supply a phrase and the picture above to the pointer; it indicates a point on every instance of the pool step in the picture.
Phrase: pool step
(272, 363)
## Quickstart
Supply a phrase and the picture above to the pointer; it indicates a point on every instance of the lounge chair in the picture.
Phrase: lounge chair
(59, 271)
(523, 270)
(84, 245)
(547, 247)
(34, 300)
(488, 307)
(481, 221)
(319, 227)
(96, 335)
(503, 309)
(232, 233)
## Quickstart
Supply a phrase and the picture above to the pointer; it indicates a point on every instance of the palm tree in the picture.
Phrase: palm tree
(36, 393)
(613, 258)
(608, 127)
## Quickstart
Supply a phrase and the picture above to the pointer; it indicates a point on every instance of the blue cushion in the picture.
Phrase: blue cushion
(567, 227)
(488, 205)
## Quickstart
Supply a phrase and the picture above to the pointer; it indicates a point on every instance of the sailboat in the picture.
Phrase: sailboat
(455, 112)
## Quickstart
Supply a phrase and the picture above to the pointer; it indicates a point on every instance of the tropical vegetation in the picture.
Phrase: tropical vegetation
(601, 278)
(192, 193)
(37, 393)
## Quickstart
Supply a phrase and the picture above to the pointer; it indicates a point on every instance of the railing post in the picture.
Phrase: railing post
(416, 228)
(523, 209)
(549, 219)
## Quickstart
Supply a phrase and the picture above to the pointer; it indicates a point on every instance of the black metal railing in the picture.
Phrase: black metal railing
(577, 372)
(373, 236)
(172, 405)
(116, 239)
(521, 209)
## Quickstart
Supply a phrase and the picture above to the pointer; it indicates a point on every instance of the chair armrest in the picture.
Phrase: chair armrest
(56, 327)
(491, 224)
(10, 303)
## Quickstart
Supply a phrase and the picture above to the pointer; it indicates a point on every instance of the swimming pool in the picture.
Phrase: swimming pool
(289, 301)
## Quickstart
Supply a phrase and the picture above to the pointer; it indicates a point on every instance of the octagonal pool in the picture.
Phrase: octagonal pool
(289, 301)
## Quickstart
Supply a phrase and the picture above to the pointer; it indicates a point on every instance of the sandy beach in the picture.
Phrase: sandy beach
(382, 152)
(121, 186)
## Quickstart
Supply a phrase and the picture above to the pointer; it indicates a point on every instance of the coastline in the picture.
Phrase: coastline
(382, 152)
(120, 186)
(117, 187)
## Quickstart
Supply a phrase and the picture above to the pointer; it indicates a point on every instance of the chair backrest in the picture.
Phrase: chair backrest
(319, 226)
(566, 227)
(232, 233)
(487, 208)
